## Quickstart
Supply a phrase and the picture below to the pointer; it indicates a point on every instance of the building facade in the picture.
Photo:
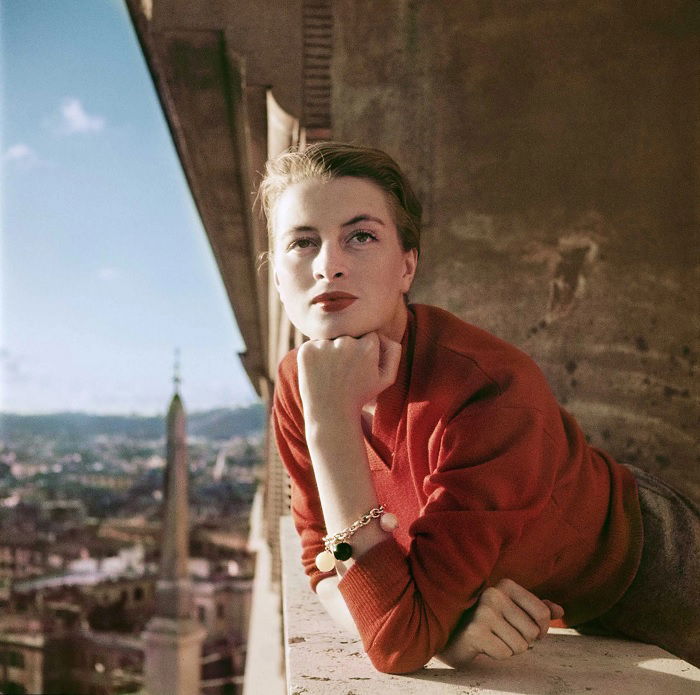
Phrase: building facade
(553, 145)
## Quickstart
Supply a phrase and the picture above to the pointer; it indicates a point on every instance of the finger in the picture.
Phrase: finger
(522, 622)
(492, 645)
(555, 609)
(369, 340)
(510, 636)
(536, 609)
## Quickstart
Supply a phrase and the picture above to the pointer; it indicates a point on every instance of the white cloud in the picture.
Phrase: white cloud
(75, 119)
(108, 273)
(19, 151)
(21, 154)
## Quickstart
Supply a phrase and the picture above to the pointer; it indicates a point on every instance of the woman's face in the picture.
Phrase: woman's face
(338, 263)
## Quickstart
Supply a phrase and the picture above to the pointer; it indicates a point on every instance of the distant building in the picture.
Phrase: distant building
(22, 656)
(21, 557)
(62, 514)
(86, 615)
(108, 481)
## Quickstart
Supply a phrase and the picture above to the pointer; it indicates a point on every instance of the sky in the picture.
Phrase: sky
(105, 267)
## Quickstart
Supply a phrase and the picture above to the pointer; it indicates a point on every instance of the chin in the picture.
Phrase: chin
(336, 329)
(332, 334)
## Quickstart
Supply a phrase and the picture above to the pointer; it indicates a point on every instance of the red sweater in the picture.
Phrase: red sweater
(489, 478)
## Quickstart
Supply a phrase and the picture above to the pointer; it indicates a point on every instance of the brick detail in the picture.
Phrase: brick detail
(317, 31)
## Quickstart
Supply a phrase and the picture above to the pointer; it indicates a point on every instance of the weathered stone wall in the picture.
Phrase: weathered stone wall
(556, 147)
(265, 34)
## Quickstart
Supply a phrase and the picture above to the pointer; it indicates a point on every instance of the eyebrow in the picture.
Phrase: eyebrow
(363, 218)
(358, 218)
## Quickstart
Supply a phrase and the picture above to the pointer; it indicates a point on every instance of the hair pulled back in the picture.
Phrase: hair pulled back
(329, 160)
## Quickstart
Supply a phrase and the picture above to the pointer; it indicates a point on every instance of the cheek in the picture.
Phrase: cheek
(287, 279)
(280, 276)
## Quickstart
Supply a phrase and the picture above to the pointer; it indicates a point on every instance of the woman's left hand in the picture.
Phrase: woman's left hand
(507, 620)
(338, 377)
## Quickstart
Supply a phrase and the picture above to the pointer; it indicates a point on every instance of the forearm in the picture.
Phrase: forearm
(336, 381)
(388, 610)
(337, 450)
(332, 600)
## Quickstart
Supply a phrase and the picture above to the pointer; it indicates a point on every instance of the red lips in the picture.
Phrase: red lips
(334, 301)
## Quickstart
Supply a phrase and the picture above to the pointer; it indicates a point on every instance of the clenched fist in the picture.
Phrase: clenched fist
(506, 620)
(338, 377)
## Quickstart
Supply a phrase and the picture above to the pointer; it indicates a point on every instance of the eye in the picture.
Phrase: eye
(362, 236)
(300, 243)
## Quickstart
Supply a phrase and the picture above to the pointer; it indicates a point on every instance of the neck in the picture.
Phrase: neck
(394, 330)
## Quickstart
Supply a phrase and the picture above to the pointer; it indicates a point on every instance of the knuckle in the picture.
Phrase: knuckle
(520, 646)
(542, 614)
(485, 614)
(505, 584)
(370, 342)
(490, 594)
(532, 632)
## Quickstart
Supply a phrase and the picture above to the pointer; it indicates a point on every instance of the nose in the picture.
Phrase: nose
(329, 263)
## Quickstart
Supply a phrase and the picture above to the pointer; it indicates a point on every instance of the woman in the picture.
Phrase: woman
(446, 504)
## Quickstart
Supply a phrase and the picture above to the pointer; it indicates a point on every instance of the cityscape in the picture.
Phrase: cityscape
(100, 587)
(81, 539)
(553, 147)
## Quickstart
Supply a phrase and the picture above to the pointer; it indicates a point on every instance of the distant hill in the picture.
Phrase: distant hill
(225, 423)
(222, 423)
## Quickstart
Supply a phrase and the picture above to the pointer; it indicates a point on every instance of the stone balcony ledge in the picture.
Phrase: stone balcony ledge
(322, 659)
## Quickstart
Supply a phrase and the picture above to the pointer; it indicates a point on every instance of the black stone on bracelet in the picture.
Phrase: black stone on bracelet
(342, 551)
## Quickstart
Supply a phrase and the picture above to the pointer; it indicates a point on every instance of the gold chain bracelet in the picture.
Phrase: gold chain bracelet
(332, 541)
(336, 544)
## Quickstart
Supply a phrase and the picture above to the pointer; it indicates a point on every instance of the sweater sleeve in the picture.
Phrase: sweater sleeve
(494, 472)
(287, 420)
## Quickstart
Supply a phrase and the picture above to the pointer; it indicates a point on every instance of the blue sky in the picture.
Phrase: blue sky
(105, 266)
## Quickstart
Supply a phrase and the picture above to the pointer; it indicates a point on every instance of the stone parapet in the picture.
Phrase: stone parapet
(322, 659)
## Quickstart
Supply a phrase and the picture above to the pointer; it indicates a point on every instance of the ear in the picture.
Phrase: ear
(410, 260)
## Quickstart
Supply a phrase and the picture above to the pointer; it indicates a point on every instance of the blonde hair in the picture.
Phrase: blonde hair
(329, 160)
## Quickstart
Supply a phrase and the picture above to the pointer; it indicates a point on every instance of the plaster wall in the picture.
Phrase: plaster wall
(265, 34)
(555, 146)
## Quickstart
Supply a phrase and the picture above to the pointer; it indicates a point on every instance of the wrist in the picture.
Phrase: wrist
(343, 548)
(333, 426)
(366, 538)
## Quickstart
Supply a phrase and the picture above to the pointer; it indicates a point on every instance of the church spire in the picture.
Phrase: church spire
(172, 638)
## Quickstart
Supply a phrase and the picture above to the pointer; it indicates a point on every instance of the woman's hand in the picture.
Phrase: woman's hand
(506, 620)
(338, 377)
